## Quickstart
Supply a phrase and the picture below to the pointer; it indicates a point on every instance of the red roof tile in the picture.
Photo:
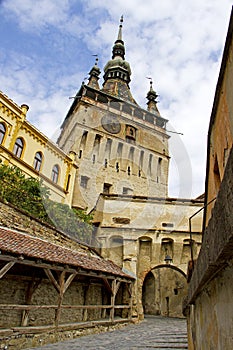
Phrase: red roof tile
(19, 243)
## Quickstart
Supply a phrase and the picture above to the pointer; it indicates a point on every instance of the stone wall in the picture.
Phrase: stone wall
(209, 307)
(29, 301)
(16, 219)
(137, 233)
(14, 340)
(14, 289)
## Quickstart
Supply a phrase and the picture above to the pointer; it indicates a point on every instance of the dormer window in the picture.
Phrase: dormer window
(130, 134)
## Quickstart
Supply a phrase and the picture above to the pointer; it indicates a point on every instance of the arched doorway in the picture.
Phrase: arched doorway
(163, 291)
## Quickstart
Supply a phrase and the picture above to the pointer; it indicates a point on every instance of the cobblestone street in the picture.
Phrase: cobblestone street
(152, 333)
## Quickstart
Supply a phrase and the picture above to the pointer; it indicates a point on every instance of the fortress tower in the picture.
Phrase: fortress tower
(120, 147)
(122, 154)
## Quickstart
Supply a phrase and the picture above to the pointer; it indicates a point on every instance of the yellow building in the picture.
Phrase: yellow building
(22, 145)
(220, 135)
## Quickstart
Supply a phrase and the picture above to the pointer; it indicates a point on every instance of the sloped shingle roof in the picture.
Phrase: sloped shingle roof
(14, 242)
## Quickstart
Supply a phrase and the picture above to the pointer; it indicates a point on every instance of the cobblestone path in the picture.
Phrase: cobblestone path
(153, 333)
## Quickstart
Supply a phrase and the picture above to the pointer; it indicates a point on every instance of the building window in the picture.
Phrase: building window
(83, 143)
(2, 132)
(108, 148)
(68, 183)
(18, 147)
(141, 159)
(130, 133)
(166, 249)
(119, 150)
(37, 161)
(159, 169)
(127, 190)
(106, 188)
(55, 173)
(131, 154)
(150, 165)
(97, 142)
(84, 181)
(167, 224)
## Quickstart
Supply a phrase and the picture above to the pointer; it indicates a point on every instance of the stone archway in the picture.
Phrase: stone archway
(163, 291)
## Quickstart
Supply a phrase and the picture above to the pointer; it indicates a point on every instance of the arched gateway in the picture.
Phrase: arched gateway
(163, 291)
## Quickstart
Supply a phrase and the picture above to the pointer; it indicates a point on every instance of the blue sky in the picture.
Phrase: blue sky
(47, 47)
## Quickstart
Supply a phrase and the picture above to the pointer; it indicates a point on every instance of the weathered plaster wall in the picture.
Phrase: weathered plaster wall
(213, 314)
(209, 306)
(101, 163)
(137, 233)
(221, 125)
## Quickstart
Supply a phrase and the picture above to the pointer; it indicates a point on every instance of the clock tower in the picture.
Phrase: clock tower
(121, 148)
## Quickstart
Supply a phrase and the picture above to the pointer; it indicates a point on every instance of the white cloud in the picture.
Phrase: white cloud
(36, 14)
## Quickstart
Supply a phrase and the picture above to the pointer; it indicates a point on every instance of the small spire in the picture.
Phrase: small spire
(151, 97)
(119, 37)
(94, 74)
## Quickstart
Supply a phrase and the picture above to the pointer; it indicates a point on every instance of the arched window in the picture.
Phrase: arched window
(37, 161)
(2, 132)
(55, 173)
(18, 147)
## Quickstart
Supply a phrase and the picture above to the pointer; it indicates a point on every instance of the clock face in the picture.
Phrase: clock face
(111, 124)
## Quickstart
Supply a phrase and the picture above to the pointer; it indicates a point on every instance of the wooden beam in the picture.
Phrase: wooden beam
(6, 268)
(58, 267)
(38, 307)
(107, 285)
(52, 279)
(117, 287)
(69, 280)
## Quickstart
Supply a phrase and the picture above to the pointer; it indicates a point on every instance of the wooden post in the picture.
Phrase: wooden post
(60, 298)
(61, 286)
(130, 291)
(115, 287)
(85, 311)
(32, 287)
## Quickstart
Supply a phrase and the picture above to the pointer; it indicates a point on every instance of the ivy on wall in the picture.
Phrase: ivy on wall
(30, 195)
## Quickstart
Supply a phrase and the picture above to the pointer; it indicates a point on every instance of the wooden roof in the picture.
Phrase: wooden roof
(26, 246)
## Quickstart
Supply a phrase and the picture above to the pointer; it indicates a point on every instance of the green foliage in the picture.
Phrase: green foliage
(30, 195)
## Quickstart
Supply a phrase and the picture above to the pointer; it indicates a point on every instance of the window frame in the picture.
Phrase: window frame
(2, 132)
(55, 173)
(37, 162)
(18, 148)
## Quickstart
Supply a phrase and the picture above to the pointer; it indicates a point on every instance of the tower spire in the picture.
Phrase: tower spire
(94, 75)
(120, 29)
(118, 49)
(117, 71)
(151, 97)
